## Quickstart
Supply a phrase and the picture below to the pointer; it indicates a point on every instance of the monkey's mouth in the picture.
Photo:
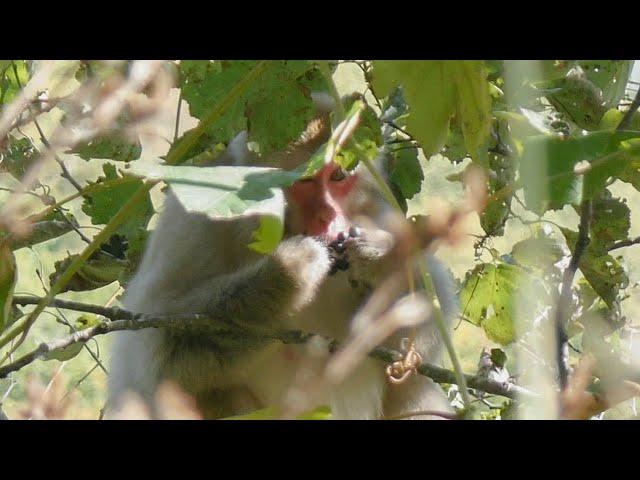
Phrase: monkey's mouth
(328, 232)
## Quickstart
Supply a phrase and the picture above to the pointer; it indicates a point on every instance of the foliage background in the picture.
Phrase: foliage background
(88, 389)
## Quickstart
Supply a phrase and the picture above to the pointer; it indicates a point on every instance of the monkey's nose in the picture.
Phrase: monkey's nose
(327, 214)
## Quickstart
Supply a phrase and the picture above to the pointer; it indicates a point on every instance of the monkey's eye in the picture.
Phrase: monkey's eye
(338, 175)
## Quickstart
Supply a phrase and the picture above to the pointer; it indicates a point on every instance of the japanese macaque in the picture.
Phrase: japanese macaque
(315, 281)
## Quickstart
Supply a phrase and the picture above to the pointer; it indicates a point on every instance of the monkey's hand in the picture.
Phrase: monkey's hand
(305, 261)
(363, 254)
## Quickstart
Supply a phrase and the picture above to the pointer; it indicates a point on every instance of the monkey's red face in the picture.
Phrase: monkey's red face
(317, 202)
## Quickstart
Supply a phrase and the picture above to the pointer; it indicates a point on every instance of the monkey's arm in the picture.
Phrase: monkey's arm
(265, 291)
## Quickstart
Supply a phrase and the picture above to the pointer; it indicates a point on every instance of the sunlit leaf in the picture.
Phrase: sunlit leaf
(488, 299)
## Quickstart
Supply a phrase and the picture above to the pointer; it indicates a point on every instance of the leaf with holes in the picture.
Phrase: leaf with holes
(110, 145)
(488, 299)
(603, 272)
(17, 156)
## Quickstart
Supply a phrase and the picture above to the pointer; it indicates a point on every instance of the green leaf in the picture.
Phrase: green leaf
(610, 222)
(17, 157)
(576, 97)
(631, 171)
(455, 149)
(101, 205)
(407, 172)
(64, 354)
(548, 163)
(8, 278)
(493, 217)
(430, 93)
(227, 192)
(601, 270)
(488, 299)
(501, 174)
(473, 102)
(43, 231)
(99, 270)
(86, 320)
(538, 252)
(268, 235)
(9, 85)
(111, 145)
(435, 91)
(365, 140)
(274, 110)
(611, 76)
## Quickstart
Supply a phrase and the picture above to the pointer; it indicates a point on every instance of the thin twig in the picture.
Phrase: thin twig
(112, 313)
(624, 243)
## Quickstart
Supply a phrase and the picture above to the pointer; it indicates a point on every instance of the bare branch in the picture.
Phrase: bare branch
(112, 313)
(624, 243)
(125, 320)
(564, 301)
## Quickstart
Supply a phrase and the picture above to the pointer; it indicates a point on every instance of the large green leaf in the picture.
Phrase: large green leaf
(548, 162)
(488, 299)
(473, 102)
(226, 192)
(275, 110)
(435, 91)
(430, 92)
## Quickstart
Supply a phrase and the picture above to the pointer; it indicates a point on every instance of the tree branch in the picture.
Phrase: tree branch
(112, 313)
(564, 301)
(124, 320)
(628, 115)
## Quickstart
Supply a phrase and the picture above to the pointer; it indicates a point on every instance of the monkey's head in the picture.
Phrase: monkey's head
(317, 205)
